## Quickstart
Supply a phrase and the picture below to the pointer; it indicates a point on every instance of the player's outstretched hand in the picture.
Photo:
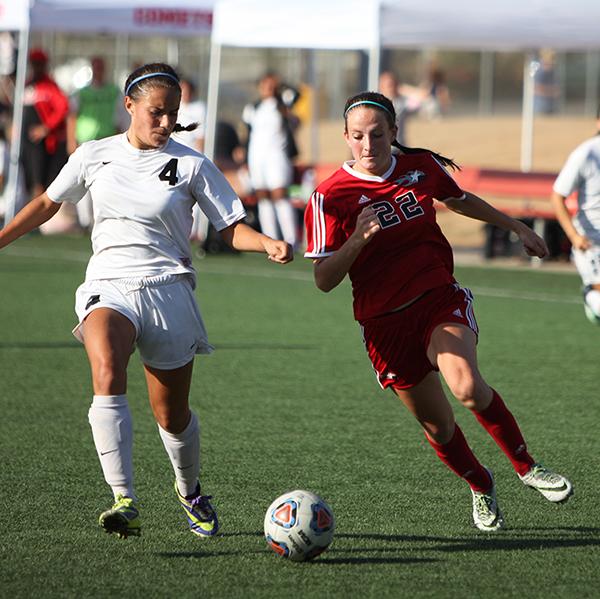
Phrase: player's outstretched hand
(279, 251)
(534, 245)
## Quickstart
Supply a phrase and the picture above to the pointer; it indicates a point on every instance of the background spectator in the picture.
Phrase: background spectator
(404, 105)
(44, 133)
(96, 111)
(192, 110)
(545, 83)
(271, 148)
(435, 93)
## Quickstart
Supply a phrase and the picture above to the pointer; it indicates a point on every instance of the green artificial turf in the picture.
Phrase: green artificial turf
(287, 401)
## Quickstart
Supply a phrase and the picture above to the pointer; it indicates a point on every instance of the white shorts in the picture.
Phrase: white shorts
(588, 264)
(269, 171)
(163, 310)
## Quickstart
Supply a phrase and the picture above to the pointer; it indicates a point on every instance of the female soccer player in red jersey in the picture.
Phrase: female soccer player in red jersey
(374, 219)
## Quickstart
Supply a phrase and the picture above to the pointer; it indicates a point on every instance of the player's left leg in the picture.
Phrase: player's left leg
(453, 349)
(178, 427)
(428, 403)
(267, 216)
(588, 266)
(286, 215)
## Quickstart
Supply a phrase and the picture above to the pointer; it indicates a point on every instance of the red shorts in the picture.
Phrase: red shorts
(397, 342)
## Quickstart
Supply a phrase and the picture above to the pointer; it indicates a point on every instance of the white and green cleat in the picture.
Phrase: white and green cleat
(554, 487)
(123, 519)
(486, 513)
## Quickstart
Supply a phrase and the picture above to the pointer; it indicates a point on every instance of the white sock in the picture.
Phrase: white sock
(287, 220)
(267, 218)
(112, 430)
(592, 299)
(183, 450)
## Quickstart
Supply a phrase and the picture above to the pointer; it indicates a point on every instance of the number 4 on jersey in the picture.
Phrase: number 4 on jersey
(169, 172)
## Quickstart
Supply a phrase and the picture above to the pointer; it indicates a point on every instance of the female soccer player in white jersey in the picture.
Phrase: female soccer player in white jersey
(581, 173)
(374, 220)
(139, 283)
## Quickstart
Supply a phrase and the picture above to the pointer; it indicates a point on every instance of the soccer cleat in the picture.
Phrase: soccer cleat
(123, 518)
(552, 486)
(200, 513)
(589, 313)
(486, 513)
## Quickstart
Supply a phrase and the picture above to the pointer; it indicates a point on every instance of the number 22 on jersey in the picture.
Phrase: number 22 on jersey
(387, 214)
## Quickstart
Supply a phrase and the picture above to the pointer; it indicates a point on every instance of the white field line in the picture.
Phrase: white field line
(283, 272)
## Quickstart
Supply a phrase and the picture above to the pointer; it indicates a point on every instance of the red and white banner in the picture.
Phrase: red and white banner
(135, 17)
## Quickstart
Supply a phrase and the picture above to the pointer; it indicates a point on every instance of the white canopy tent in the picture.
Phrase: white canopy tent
(135, 17)
(14, 15)
(373, 24)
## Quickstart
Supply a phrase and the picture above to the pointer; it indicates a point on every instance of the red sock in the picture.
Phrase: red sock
(499, 422)
(457, 455)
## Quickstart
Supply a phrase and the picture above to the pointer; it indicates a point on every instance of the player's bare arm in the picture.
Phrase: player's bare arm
(475, 207)
(579, 242)
(36, 213)
(241, 237)
(330, 272)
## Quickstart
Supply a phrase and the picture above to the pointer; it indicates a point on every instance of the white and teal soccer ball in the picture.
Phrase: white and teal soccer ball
(299, 525)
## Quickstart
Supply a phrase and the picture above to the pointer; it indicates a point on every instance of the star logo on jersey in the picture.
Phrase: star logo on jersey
(409, 178)
(363, 199)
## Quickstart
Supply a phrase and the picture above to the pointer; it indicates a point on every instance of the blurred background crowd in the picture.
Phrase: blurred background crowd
(464, 103)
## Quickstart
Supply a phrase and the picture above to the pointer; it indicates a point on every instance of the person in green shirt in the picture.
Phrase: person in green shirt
(96, 111)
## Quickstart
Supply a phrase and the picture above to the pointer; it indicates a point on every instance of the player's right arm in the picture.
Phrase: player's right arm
(579, 242)
(330, 271)
(34, 214)
(569, 179)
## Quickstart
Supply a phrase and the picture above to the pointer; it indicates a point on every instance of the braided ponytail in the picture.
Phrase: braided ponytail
(448, 162)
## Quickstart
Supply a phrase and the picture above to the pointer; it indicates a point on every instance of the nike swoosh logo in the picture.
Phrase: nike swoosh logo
(106, 452)
(105, 163)
(555, 489)
(184, 467)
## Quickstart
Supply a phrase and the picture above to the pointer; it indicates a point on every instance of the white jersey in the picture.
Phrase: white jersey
(581, 172)
(142, 202)
(267, 136)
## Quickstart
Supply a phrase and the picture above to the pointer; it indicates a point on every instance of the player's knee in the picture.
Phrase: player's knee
(171, 421)
(108, 377)
(465, 388)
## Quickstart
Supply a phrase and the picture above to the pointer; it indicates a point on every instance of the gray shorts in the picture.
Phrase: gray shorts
(163, 310)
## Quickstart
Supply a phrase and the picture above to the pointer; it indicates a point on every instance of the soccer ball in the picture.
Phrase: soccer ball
(299, 525)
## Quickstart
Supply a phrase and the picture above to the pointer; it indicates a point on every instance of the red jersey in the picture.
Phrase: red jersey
(52, 107)
(410, 254)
